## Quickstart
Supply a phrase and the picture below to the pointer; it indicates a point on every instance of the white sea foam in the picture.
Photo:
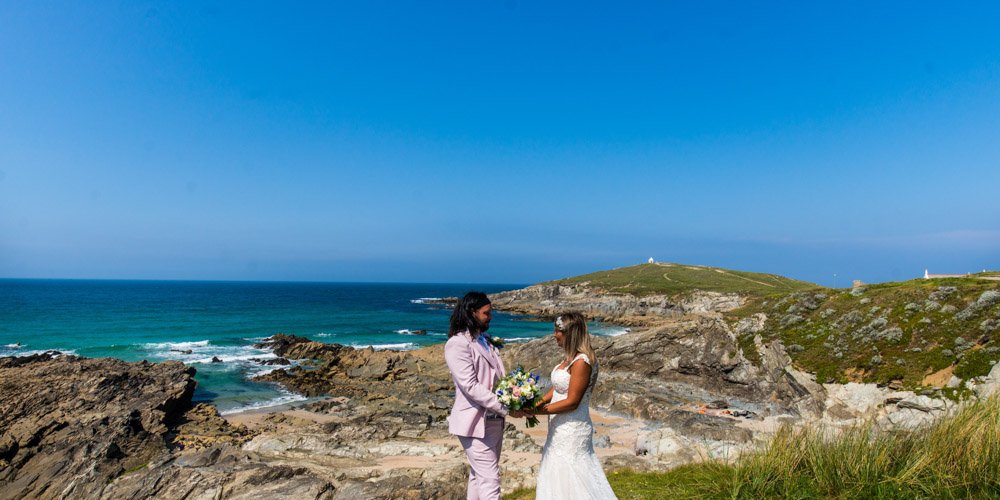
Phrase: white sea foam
(176, 345)
(407, 331)
(519, 339)
(323, 334)
(403, 346)
(229, 358)
(202, 352)
(425, 300)
(611, 331)
(12, 346)
(259, 370)
(285, 398)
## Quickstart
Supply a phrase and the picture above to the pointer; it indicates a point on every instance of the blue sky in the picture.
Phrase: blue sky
(505, 142)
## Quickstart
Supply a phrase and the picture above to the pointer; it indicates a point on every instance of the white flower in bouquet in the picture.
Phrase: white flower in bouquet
(519, 391)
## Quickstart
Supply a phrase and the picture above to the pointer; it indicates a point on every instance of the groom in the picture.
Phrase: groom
(477, 418)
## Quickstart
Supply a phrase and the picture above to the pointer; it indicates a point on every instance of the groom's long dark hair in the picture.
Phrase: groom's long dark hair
(462, 318)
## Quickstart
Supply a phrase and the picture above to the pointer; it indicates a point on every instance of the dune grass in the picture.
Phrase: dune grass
(957, 457)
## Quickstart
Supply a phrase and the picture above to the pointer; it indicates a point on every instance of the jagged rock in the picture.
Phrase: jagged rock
(908, 418)
(988, 385)
(751, 325)
(279, 361)
(449, 485)
(791, 319)
(293, 347)
(366, 375)
(850, 318)
(626, 462)
(710, 427)
(646, 373)
(922, 403)
(516, 440)
(852, 400)
(943, 292)
(202, 427)
(666, 444)
(70, 425)
(224, 472)
(548, 300)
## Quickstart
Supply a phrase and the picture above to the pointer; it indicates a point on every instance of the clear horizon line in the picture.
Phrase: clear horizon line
(175, 280)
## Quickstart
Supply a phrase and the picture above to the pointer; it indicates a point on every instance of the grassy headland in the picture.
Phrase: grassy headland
(911, 333)
(957, 457)
(677, 279)
(915, 334)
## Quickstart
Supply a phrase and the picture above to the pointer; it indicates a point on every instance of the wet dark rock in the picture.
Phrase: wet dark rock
(272, 361)
(294, 347)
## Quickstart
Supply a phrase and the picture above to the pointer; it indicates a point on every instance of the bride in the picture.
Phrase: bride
(570, 469)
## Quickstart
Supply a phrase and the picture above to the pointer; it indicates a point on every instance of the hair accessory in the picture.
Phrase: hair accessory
(559, 322)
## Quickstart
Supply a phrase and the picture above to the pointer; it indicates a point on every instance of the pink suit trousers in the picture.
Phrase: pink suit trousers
(475, 370)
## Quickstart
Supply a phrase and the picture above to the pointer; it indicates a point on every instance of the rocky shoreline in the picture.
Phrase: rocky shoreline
(546, 300)
(678, 388)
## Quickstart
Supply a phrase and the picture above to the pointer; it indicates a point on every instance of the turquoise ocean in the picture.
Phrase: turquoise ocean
(194, 321)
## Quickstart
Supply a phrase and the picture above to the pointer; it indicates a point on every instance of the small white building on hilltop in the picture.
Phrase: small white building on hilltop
(651, 261)
(928, 276)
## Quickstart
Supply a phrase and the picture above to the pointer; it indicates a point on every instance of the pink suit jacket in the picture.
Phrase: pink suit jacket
(474, 369)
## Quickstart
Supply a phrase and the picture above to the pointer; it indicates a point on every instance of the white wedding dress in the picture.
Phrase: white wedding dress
(570, 468)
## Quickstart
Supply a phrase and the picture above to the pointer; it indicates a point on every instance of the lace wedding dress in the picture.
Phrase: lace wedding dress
(570, 469)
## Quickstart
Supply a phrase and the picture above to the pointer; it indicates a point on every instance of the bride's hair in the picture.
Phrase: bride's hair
(574, 327)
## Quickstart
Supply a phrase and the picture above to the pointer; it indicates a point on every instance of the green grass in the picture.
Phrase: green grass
(927, 341)
(957, 457)
(678, 279)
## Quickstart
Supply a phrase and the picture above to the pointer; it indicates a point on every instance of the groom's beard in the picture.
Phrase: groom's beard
(483, 327)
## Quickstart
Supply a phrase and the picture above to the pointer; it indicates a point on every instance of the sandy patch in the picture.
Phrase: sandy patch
(855, 375)
(939, 378)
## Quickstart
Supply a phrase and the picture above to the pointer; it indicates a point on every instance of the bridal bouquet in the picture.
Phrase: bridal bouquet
(519, 391)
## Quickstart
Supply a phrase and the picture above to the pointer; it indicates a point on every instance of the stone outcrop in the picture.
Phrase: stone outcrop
(548, 300)
(85, 428)
(74, 427)
(690, 362)
(69, 425)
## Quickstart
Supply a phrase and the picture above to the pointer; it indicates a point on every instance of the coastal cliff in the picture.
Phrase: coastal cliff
(646, 294)
(707, 371)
